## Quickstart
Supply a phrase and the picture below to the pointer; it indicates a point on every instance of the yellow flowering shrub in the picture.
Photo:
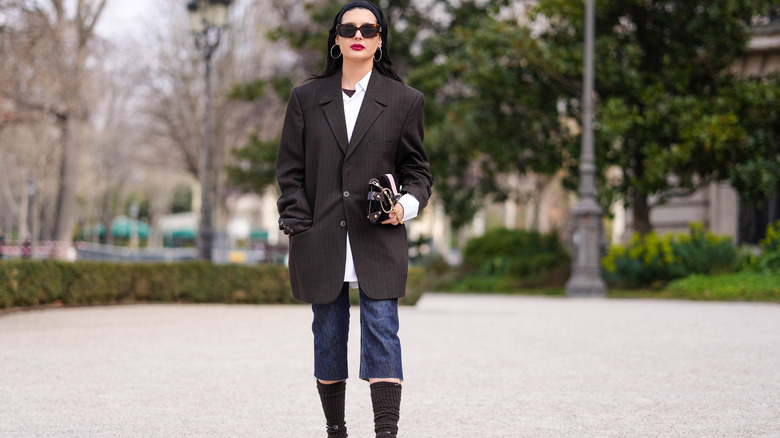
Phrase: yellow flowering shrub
(769, 260)
(771, 242)
(653, 260)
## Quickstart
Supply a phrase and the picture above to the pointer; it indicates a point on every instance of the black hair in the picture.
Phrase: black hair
(384, 66)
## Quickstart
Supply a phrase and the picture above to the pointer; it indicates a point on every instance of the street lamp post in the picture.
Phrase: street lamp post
(586, 270)
(31, 191)
(207, 21)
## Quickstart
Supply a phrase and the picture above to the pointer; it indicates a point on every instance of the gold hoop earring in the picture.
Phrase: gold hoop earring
(380, 55)
(331, 52)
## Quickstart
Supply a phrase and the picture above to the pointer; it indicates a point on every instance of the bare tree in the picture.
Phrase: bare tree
(52, 46)
(113, 154)
(174, 93)
(27, 138)
(94, 122)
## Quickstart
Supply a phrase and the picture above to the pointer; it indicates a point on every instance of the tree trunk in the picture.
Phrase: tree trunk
(74, 105)
(66, 193)
(540, 184)
(641, 212)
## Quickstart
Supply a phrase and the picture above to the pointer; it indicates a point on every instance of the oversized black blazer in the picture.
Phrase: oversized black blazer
(324, 184)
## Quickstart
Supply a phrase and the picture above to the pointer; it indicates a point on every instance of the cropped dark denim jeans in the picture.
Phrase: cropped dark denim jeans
(380, 347)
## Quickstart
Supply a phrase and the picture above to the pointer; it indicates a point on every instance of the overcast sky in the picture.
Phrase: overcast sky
(124, 16)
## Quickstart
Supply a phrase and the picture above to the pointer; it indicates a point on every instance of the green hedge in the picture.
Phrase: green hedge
(504, 260)
(25, 283)
(416, 284)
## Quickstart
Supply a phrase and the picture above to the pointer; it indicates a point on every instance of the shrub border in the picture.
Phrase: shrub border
(33, 284)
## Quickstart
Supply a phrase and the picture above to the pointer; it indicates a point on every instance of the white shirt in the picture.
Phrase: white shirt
(410, 204)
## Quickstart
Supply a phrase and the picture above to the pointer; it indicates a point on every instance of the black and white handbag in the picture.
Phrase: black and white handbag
(383, 193)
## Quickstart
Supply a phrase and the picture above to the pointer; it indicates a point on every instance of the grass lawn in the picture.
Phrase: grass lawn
(740, 286)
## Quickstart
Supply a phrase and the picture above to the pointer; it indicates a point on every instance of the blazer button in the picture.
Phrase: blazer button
(346, 194)
(343, 224)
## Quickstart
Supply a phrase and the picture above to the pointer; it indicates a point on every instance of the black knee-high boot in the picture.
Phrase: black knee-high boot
(333, 398)
(386, 398)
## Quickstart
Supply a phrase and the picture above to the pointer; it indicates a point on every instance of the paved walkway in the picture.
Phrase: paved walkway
(476, 366)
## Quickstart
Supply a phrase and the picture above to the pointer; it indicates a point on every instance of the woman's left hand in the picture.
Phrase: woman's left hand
(396, 216)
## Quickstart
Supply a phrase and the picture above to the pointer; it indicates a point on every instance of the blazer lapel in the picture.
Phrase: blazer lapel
(333, 106)
(374, 104)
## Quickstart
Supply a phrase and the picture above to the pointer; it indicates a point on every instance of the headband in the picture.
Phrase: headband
(360, 5)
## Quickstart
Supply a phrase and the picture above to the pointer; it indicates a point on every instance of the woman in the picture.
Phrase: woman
(354, 121)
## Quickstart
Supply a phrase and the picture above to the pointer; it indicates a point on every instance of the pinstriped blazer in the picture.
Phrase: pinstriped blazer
(324, 184)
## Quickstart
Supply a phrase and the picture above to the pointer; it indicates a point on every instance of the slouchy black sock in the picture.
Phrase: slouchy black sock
(333, 397)
(386, 398)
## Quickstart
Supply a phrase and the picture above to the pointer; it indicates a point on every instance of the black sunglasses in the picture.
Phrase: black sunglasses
(367, 30)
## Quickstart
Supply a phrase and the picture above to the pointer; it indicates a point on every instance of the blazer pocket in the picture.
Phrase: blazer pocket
(300, 233)
(299, 228)
(381, 145)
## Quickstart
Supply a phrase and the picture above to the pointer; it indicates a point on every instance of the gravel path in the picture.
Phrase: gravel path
(476, 366)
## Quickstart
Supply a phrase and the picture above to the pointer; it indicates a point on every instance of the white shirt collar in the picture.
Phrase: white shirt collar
(363, 83)
(360, 87)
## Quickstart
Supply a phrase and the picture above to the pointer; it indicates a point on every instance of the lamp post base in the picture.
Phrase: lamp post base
(205, 244)
(586, 284)
(585, 280)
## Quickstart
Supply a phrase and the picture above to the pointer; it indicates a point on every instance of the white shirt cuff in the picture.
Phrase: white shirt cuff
(411, 206)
